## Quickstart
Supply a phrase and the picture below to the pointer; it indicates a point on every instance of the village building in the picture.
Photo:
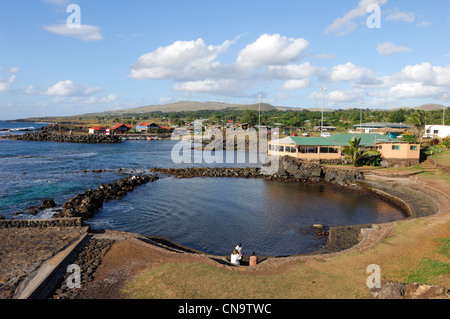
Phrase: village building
(97, 130)
(437, 131)
(144, 127)
(121, 128)
(393, 151)
(376, 127)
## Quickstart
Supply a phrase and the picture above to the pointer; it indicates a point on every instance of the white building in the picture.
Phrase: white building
(440, 131)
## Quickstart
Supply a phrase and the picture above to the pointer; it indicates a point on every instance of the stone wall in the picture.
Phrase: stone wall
(441, 167)
(392, 162)
(62, 138)
(41, 223)
(289, 169)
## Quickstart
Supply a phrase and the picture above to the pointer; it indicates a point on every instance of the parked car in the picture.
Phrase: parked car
(305, 134)
(326, 134)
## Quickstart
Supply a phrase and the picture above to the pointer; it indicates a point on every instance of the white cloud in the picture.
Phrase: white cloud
(407, 17)
(69, 88)
(84, 33)
(228, 87)
(411, 90)
(195, 68)
(5, 85)
(348, 72)
(271, 50)
(338, 95)
(296, 84)
(416, 81)
(180, 60)
(345, 24)
(426, 73)
(293, 71)
(389, 48)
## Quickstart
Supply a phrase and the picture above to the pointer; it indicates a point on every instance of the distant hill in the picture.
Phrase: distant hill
(186, 106)
(429, 107)
(180, 106)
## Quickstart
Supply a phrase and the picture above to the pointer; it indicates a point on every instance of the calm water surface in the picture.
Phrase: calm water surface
(209, 214)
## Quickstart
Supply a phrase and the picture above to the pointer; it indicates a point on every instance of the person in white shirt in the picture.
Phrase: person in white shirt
(236, 257)
(239, 249)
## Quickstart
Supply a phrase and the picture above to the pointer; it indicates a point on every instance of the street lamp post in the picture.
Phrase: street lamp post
(323, 90)
(444, 98)
(360, 117)
(259, 116)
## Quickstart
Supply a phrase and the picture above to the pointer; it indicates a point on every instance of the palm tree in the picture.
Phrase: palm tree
(352, 149)
(418, 120)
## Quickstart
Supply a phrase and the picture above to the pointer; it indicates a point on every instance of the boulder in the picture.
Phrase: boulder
(48, 203)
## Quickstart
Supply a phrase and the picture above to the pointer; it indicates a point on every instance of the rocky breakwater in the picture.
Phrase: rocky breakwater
(62, 138)
(289, 170)
(84, 205)
(192, 172)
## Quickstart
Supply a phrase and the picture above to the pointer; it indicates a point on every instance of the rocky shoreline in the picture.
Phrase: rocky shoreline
(63, 138)
(84, 205)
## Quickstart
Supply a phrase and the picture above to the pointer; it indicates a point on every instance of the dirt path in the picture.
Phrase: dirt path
(398, 248)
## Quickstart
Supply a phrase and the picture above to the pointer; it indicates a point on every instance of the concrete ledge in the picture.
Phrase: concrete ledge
(46, 277)
(41, 223)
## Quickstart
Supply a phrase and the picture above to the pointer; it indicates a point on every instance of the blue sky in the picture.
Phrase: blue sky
(134, 53)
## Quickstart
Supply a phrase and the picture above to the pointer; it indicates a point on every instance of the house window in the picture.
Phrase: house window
(413, 148)
(395, 147)
(436, 132)
(280, 148)
(380, 147)
(308, 150)
(291, 149)
(328, 150)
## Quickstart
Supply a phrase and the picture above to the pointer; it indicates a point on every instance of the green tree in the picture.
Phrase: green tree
(250, 117)
(418, 120)
(352, 149)
(371, 157)
(397, 116)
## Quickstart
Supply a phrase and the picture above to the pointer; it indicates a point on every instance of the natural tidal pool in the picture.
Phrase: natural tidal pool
(214, 214)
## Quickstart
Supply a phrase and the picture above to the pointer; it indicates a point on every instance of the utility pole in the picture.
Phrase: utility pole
(360, 117)
(323, 90)
(259, 117)
(444, 98)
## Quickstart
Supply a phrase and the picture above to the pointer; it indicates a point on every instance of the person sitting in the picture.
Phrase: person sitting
(239, 249)
(253, 259)
(236, 257)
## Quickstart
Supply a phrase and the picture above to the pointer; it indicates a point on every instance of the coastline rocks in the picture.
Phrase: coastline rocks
(84, 205)
(88, 139)
(192, 172)
(314, 172)
(289, 170)
(397, 290)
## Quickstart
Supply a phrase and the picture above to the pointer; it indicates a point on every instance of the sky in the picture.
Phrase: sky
(67, 57)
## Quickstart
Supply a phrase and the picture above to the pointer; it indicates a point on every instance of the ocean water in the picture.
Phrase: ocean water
(208, 214)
